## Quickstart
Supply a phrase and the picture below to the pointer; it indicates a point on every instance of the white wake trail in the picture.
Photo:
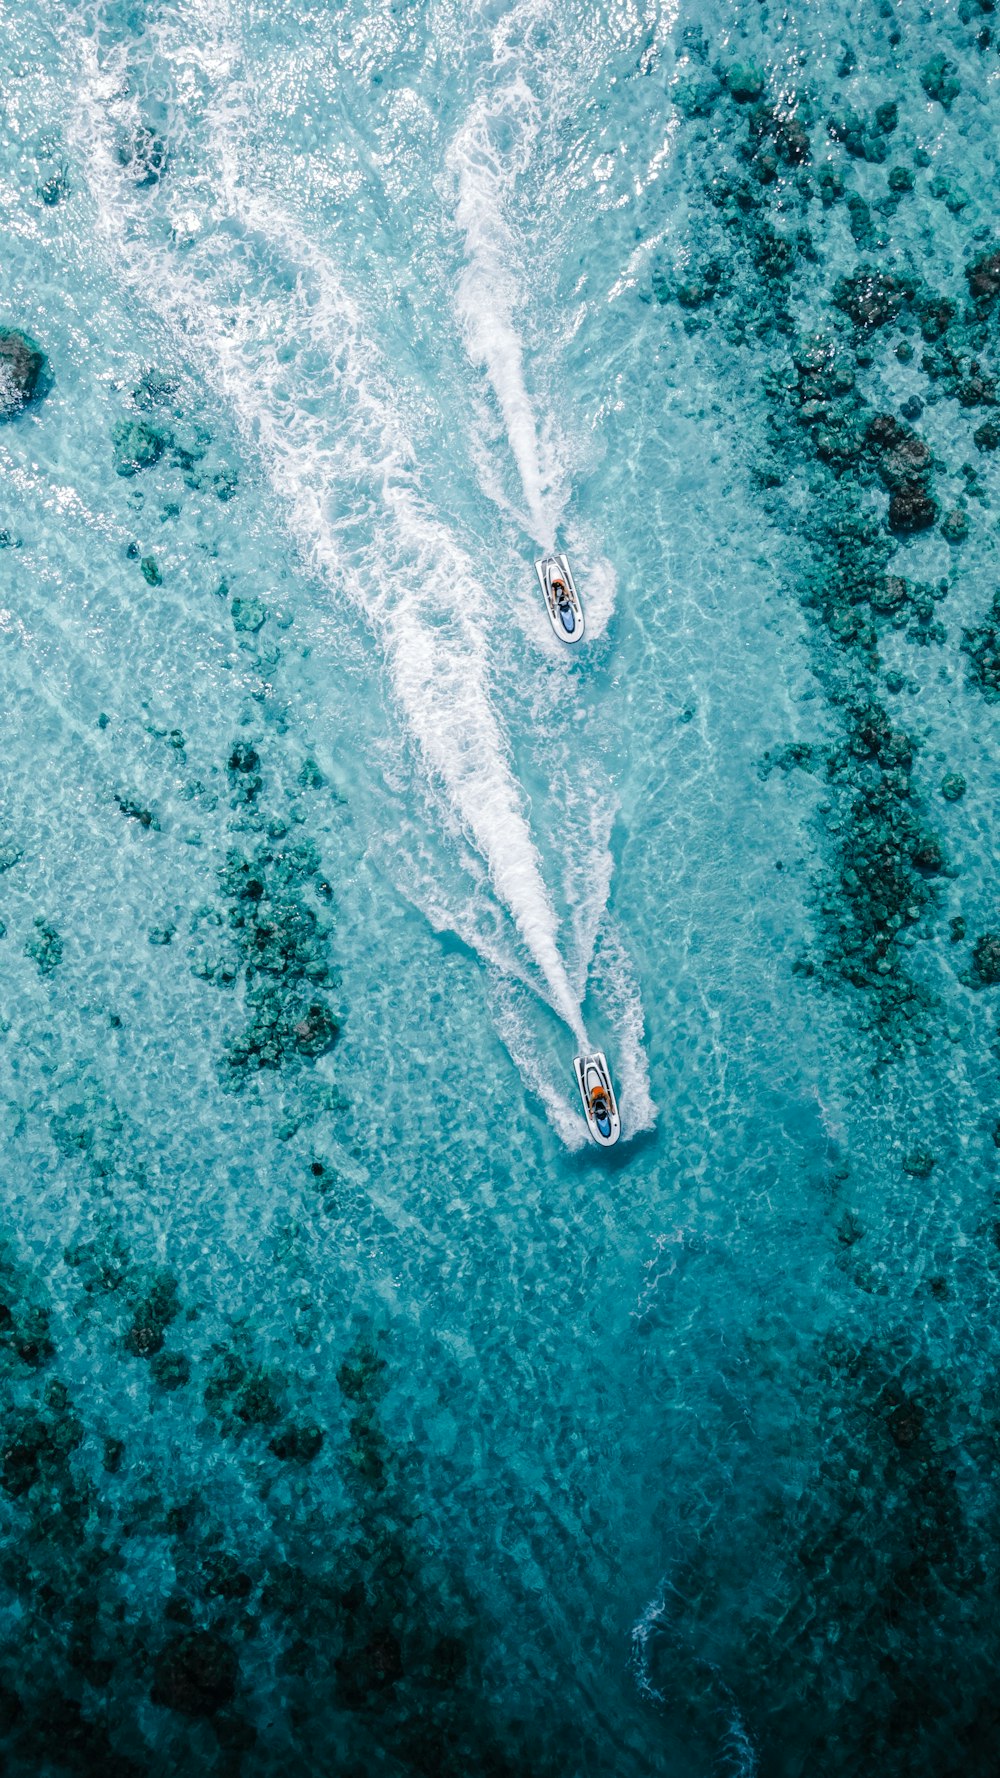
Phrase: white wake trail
(335, 451)
(489, 291)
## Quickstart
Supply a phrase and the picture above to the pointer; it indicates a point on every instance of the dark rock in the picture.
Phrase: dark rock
(297, 1443)
(901, 456)
(44, 947)
(919, 1163)
(957, 927)
(986, 960)
(939, 79)
(317, 1031)
(984, 279)
(861, 221)
(35, 1447)
(782, 130)
(171, 1370)
(225, 484)
(114, 1451)
(137, 446)
(861, 139)
(136, 811)
(361, 1375)
(150, 571)
(56, 187)
(243, 758)
(25, 1330)
(224, 1578)
(257, 1401)
(849, 1229)
(911, 508)
(154, 389)
(872, 298)
(982, 645)
(248, 615)
(955, 525)
(310, 777)
(195, 1674)
(156, 1308)
(952, 787)
(744, 82)
(23, 372)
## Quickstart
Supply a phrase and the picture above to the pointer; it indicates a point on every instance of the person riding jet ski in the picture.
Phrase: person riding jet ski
(600, 1109)
(598, 1096)
(562, 601)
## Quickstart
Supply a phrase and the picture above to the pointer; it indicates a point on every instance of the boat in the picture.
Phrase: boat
(562, 601)
(600, 1107)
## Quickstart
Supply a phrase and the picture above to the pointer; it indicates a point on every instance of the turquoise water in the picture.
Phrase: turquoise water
(358, 1414)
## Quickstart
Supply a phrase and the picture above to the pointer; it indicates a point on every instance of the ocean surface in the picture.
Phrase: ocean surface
(358, 1414)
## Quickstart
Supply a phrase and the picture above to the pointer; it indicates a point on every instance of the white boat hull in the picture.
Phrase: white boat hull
(593, 1076)
(564, 608)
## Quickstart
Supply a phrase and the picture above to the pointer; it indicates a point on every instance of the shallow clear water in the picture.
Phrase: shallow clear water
(358, 1414)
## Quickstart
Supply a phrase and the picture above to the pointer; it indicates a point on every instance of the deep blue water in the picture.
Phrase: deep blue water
(358, 1414)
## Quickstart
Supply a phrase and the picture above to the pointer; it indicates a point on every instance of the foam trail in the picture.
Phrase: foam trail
(488, 293)
(643, 1631)
(738, 1751)
(515, 1030)
(617, 993)
(737, 1756)
(347, 486)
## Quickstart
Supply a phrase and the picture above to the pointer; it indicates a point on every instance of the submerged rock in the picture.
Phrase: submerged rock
(137, 811)
(195, 1674)
(142, 151)
(137, 446)
(955, 525)
(983, 278)
(171, 1370)
(56, 187)
(919, 1163)
(986, 960)
(745, 82)
(939, 79)
(23, 372)
(297, 1443)
(44, 947)
(982, 645)
(912, 508)
(872, 298)
(155, 1309)
(248, 615)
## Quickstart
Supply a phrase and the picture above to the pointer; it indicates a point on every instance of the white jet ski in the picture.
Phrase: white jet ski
(600, 1106)
(562, 601)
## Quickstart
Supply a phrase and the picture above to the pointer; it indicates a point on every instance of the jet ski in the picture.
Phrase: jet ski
(600, 1106)
(562, 601)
